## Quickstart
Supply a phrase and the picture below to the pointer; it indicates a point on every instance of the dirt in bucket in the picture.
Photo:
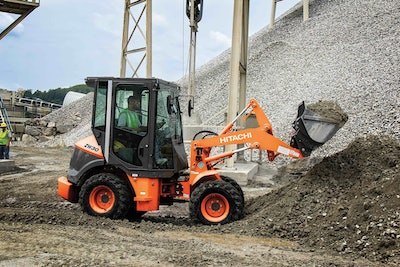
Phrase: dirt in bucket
(329, 110)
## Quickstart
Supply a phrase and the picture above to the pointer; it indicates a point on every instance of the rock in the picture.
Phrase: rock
(26, 138)
(42, 123)
(49, 131)
(32, 130)
(64, 128)
(43, 138)
(51, 124)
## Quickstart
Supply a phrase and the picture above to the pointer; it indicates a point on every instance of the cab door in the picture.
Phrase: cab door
(122, 145)
(131, 137)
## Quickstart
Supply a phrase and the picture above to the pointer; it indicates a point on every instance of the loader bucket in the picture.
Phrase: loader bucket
(313, 130)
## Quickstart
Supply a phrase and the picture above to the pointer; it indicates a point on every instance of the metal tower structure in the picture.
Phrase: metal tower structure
(239, 48)
(20, 7)
(238, 68)
(137, 38)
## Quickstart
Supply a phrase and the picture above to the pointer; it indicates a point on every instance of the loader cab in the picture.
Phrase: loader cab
(137, 123)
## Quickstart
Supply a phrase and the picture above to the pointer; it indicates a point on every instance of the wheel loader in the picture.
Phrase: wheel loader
(122, 171)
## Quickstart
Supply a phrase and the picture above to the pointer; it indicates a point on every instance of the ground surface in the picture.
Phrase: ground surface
(346, 217)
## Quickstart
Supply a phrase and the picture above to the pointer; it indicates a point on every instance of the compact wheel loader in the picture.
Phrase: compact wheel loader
(120, 170)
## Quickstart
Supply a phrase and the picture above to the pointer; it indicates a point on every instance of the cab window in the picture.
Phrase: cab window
(131, 121)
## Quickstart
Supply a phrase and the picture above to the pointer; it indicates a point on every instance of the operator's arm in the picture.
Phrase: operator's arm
(122, 120)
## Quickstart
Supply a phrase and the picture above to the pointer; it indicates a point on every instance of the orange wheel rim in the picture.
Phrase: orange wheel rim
(215, 207)
(101, 199)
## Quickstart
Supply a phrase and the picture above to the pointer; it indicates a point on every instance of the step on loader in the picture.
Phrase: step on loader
(135, 160)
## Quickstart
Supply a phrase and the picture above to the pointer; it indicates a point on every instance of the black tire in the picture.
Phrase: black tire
(238, 188)
(215, 202)
(106, 195)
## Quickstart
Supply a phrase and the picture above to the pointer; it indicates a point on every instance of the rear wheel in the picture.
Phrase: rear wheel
(215, 202)
(105, 195)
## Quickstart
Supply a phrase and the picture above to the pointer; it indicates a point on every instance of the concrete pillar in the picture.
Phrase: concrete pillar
(238, 64)
(306, 5)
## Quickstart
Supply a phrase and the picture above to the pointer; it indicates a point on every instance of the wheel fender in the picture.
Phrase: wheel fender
(76, 175)
(205, 176)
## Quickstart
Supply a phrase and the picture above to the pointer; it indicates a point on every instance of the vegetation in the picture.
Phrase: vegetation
(57, 95)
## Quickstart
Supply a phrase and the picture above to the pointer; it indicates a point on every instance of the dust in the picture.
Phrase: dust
(329, 110)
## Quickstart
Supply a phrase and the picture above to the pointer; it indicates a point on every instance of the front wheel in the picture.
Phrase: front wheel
(105, 195)
(238, 188)
(215, 202)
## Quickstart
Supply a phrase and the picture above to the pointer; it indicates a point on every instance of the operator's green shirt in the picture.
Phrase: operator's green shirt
(129, 119)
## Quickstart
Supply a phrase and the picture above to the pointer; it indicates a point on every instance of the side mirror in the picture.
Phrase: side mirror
(190, 106)
(170, 104)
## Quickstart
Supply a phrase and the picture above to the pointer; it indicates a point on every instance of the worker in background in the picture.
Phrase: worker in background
(5, 139)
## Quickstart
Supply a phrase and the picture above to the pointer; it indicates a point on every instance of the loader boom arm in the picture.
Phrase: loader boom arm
(260, 137)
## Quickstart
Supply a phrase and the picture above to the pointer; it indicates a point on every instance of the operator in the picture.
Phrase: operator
(131, 117)
(5, 138)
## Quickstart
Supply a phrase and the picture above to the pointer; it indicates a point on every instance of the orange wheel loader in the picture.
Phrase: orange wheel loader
(129, 168)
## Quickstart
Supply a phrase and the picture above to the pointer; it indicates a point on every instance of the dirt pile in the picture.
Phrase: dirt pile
(344, 208)
(348, 203)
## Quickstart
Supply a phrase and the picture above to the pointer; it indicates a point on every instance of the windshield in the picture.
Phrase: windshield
(171, 112)
(168, 127)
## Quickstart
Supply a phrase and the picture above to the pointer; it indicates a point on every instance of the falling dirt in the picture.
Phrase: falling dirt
(343, 212)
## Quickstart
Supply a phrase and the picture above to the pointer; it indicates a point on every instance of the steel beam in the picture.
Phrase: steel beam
(20, 7)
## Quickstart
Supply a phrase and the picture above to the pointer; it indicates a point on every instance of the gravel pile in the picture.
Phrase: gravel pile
(347, 52)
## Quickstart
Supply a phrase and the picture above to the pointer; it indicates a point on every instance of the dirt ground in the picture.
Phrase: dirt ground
(344, 211)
